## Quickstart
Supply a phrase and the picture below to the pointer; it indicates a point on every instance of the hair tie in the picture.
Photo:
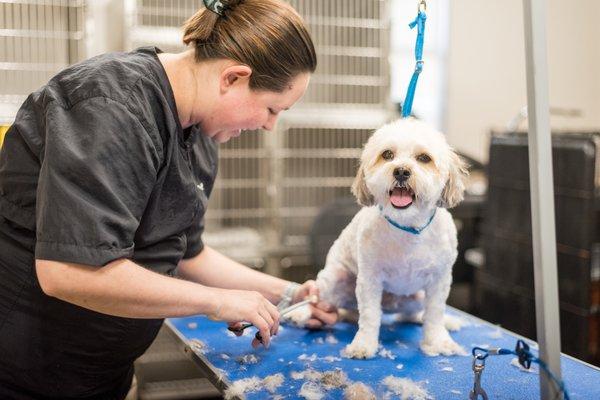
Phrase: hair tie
(215, 6)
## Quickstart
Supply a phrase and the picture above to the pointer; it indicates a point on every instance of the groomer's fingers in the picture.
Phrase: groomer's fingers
(263, 327)
(274, 313)
(236, 326)
(314, 324)
(272, 310)
(313, 290)
(275, 327)
(325, 306)
(267, 317)
(308, 288)
(328, 318)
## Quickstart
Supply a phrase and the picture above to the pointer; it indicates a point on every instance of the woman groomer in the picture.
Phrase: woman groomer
(104, 181)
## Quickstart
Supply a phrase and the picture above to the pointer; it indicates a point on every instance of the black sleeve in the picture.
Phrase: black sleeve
(195, 245)
(205, 163)
(98, 169)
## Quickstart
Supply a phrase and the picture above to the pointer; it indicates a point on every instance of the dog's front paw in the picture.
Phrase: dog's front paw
(454, 323)
(361, 348)
(434, 345)
(299, 316)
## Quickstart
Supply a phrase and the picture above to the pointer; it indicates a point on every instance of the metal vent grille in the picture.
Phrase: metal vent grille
(240, 194)
(319, 165)
(38, 38)
(315, 163)
(158, 22)
(352, 43)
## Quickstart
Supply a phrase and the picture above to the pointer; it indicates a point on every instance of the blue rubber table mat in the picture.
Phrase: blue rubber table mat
(295, 350)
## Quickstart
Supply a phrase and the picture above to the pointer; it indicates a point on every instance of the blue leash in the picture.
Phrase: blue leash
(525, 359)
(419, 22)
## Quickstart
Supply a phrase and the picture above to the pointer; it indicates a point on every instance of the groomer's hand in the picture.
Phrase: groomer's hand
(323, 313)
(235, 306)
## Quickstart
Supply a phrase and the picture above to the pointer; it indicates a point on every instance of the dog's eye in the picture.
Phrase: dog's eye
(424, 158)
(387, 155)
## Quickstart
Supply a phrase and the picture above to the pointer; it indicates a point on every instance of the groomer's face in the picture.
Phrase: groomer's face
(244, 109)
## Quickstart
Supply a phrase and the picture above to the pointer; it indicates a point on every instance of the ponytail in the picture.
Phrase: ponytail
(199, 27)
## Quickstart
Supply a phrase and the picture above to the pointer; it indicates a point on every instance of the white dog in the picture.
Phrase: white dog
(402, 244)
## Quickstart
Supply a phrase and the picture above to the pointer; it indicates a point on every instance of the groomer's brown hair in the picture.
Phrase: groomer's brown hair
(267, 35)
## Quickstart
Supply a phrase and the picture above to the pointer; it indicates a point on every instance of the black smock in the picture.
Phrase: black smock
(95, 168)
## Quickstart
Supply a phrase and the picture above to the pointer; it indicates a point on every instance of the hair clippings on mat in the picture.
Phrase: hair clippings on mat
(215, 6)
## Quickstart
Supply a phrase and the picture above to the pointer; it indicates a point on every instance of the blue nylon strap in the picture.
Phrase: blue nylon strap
(419, 22)
(525, 359)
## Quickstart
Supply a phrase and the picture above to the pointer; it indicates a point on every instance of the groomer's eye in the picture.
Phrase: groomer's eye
(424, 158)
(387, 155)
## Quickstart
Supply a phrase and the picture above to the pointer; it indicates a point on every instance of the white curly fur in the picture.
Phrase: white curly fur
(374, 265)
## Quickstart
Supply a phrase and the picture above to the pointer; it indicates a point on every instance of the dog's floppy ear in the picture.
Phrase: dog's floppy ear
(453, 192)
(360, 190)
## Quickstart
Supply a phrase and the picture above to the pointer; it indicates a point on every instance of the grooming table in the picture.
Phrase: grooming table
(295, 350)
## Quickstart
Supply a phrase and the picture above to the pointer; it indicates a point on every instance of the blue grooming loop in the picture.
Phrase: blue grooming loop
(443, 377)
(419, 22)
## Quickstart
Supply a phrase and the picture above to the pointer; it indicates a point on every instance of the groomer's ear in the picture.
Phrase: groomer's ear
(235, 74)
(454, 190)
(360, 189)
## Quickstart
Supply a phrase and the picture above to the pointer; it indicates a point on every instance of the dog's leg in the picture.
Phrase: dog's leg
(336, 287)
(369, 289)
(436, 339)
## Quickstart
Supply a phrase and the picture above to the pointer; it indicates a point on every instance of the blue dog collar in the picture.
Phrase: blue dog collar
(409, 229)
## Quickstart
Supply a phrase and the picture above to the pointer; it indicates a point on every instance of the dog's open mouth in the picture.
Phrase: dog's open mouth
(402, 197)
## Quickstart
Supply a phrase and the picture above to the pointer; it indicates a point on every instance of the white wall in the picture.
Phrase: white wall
(486, 67)
(104, 26)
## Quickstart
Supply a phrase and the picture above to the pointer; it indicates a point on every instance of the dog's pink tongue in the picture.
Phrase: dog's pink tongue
(401, 197)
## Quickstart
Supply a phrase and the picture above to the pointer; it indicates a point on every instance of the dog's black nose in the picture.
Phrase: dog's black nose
(401, 174)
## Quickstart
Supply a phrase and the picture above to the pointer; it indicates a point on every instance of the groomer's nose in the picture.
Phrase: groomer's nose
(401, 174)
(270, 124)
